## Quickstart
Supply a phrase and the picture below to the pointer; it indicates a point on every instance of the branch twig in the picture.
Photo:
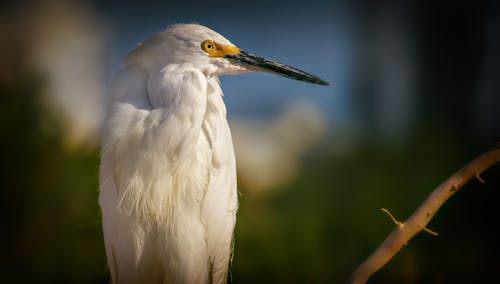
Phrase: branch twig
(404, 231)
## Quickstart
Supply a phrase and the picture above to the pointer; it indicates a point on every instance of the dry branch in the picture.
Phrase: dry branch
(404, 231)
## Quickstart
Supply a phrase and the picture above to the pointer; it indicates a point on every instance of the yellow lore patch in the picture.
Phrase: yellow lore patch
(218, 49)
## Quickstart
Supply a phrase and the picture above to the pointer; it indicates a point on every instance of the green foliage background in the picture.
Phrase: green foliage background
(320, 226)
(313, 230)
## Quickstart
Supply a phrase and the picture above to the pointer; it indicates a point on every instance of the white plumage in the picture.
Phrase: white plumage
(167, 178)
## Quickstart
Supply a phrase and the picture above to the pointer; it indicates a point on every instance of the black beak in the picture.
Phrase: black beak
(261, 64)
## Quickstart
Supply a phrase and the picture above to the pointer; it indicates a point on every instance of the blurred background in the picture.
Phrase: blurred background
(415, 95)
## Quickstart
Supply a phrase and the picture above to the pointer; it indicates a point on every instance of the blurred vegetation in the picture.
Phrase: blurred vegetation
(314, 230)
(319, 227)
(52, 231)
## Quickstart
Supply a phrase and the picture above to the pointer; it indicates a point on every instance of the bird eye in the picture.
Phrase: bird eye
(208, 45)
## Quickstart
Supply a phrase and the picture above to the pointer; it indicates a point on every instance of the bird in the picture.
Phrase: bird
(167, 177)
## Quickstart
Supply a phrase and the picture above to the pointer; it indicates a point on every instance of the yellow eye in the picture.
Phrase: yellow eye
(214, 49)
(208, 45)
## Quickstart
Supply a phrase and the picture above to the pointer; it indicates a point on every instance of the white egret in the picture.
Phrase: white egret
(167, 176)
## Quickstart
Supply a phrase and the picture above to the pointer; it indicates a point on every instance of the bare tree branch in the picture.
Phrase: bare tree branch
(404, 231)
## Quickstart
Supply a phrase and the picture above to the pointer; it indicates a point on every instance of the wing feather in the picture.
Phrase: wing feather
(220, 203)
(149, 177)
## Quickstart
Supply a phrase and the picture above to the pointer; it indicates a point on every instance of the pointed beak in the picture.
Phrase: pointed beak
(256, 63)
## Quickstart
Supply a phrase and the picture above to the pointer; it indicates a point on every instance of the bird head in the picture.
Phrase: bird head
(211, 53)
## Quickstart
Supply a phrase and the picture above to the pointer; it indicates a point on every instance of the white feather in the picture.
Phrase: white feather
(167, 177)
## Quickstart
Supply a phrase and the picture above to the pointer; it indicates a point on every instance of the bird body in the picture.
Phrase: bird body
(168, 176)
